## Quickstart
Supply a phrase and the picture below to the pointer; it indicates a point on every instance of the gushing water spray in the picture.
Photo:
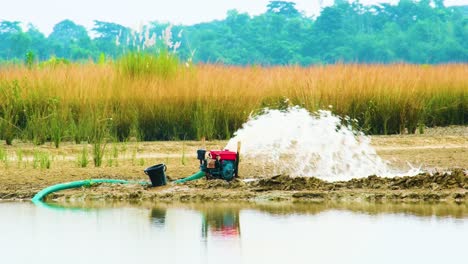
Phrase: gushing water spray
(299, 143)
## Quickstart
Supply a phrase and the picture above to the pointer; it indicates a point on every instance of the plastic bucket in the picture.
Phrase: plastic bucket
(157, 174)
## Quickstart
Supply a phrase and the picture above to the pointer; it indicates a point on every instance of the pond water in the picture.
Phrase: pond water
(233, 233)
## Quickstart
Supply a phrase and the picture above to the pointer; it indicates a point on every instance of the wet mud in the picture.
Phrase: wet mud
(447, 186)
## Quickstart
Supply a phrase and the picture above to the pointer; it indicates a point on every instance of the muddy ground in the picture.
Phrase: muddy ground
(443, 152)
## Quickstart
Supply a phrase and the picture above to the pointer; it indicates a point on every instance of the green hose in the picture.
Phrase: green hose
(77, 184)
(193, 177)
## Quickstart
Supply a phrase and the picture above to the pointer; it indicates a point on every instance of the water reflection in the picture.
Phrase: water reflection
(214, 212)
(158, 216)
(217, 232)
(223, 223)
(215, 221)
(223, 220)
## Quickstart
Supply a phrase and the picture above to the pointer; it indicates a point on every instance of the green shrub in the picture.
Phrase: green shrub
(82, 159)
(140, 63)
(29, 59)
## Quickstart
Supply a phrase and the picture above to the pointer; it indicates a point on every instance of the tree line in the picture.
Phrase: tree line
(423, 32)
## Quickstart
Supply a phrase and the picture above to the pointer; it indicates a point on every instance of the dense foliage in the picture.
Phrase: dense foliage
(422, 31)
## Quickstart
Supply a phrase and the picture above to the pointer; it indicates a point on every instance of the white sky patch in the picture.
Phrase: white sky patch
(46, 13)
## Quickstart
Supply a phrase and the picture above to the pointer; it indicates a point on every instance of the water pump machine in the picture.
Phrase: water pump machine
(219, 164)
(214, 164)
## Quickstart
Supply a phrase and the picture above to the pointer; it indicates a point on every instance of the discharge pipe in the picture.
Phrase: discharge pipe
(193, 177)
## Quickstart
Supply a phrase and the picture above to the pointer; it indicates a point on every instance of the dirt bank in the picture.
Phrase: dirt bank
(451, 186)
(21, 177)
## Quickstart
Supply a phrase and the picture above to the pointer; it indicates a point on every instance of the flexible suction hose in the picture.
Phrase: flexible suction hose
(77, 184)
(86, 183)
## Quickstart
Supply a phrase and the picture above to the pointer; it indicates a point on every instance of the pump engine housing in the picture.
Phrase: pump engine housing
(219, 164)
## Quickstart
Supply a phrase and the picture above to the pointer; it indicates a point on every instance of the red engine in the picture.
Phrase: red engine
(219, 164)
(223, 154)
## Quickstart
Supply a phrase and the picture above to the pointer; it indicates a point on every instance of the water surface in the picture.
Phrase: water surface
(233, 233)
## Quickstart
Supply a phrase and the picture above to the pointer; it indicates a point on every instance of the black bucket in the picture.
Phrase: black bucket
(157, 174)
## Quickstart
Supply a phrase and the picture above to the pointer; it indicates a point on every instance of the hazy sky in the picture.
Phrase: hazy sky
(46, 13)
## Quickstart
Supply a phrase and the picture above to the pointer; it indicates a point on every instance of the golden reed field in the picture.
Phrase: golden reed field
(72, 102)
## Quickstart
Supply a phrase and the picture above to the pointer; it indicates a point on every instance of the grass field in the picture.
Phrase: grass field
(98, 103)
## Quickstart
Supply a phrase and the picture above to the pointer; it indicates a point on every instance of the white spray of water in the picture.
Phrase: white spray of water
(298, 143)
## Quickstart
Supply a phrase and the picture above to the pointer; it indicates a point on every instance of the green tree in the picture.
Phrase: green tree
(111, 38)
(69, 40)
(415, 31)
(283, 8)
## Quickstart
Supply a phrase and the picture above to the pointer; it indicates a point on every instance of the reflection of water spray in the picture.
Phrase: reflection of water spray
(302, 144)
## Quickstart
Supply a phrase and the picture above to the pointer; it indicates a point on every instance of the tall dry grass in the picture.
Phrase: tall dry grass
(69, 102)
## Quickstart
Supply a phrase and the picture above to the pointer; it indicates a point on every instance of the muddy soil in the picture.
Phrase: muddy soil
(444, 154)
(449, 186)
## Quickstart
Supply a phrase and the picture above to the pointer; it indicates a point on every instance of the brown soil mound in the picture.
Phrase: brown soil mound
(457, 178)
(286, 183)
(217, 183)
